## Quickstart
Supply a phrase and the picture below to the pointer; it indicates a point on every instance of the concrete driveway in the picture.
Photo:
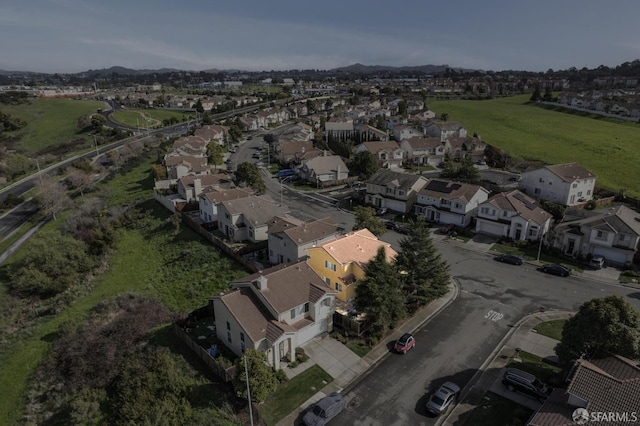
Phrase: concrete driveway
(336, 359)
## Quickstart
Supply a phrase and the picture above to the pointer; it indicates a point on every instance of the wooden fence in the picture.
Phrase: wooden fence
(351, 325)
(225, 373)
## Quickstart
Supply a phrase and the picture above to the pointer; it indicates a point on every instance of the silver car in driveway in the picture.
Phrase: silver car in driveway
(443, 398)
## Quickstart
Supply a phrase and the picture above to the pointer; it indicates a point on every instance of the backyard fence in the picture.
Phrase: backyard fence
(225, 373)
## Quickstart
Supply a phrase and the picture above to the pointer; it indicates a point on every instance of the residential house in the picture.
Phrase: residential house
(513, 215)
(213, 133)
(191, 145)
(179, 166)
(294, 152)
(341, 261)
(569, 184)
(274, 311)
(608, 388)
(444, 129)
(364, 133)
(248, 123)
(466, 147)
(324, 169)
(339, 128)
(449, 202)
(424, 151)
(246, 219)
(613, 233)
(388, 153)
(210, 200)
(288, 240)
(403, 132)
(423, 115)
(190, 187)
(394, 190)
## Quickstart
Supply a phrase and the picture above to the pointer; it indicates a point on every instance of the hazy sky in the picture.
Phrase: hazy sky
(77, 35)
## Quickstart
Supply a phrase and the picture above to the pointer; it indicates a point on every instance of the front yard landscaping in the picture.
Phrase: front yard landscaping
(545, 371)
(293, 393)
(551, 328)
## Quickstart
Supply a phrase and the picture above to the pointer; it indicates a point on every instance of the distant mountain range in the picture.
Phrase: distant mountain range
(351, 69)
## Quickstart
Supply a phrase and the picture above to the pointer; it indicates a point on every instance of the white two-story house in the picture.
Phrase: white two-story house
(569, 184)
(449, 202)
(513, 215)
(274, 311)
(246, 219)
(209, 201)
(424, 151)
(613, 233)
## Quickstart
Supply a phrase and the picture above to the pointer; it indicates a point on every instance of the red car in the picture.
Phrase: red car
(404, 343)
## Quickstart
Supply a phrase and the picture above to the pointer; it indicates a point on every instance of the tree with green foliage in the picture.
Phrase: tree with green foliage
(16, 165)
(601, 327)
(364, 164)
(262, 378)
(249, 174)
(151, 390)
(379, 293)
(53, 263)
(199, 108)
(423, 272)
(98, 121)
(366, 218)
(206, 118)
(467, 170)
(215, 154)
(536, 96)
(402, 107)
(444, 116)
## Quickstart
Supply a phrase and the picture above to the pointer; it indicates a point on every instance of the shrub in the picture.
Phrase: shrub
(281, 376)
(301, 356)
(293, 364)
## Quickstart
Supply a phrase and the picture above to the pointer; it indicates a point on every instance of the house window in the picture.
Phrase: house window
(589, 192)
(621, 237)
(536, 191)
(580, 194)
(601, 235)
(329, 265)
(505, 213)
(228, 332)
(389, 190)
(242, 345)
(306, 307)
(328, 281)
(338, 287)
(541, 180)
(226, 215)
(293, 313)
(575, 185)
(400, 192)
(326, 302)
(456, 205)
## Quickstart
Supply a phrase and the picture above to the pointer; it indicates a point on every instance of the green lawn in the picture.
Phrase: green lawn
(293, 393)
(496, 410)
(609, 149)
(551, 328)
(530, 252)
(359, 347)
(50, 122)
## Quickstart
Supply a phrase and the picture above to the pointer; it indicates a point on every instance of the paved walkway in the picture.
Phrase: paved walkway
(346, 367)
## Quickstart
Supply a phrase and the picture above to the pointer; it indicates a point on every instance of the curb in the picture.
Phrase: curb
(492, 357)
(455, 291)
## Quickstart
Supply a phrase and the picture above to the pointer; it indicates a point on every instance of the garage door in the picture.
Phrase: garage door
(611, 255)
(490, 228)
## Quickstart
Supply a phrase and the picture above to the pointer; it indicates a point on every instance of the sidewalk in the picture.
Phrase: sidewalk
(488, 376)
(347, 368)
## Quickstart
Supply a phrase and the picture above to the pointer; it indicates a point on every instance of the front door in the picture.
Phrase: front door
(571, 247)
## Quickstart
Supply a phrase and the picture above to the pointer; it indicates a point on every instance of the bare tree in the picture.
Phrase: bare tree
(52, 196)
(79, 179)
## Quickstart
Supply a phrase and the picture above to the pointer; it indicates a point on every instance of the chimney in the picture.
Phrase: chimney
(261, 282)
(197, 187)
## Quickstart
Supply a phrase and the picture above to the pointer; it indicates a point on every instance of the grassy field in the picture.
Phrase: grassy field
(182, 270)
(148, 117)
(50, 122)
(608, 149)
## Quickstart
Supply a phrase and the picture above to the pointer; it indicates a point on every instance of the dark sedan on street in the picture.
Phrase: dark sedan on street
(558, 270)
(509, 258)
